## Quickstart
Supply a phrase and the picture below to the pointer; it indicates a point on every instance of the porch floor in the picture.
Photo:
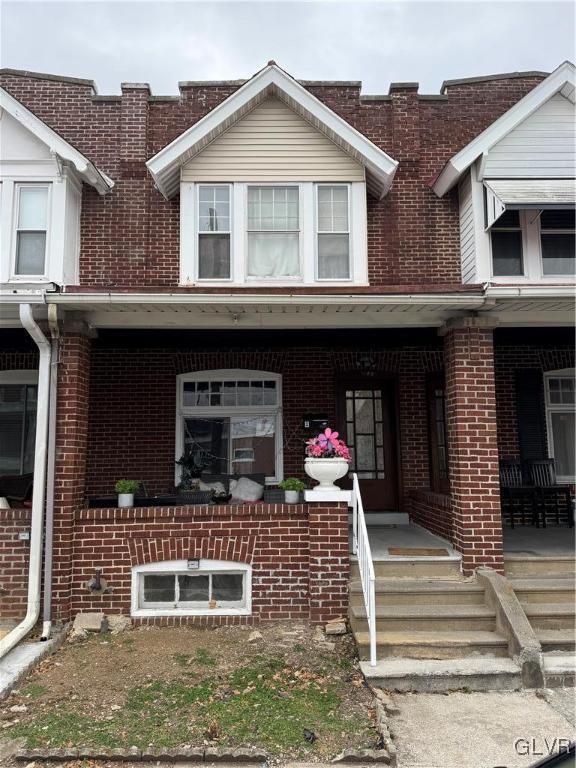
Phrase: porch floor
(383, 538)
(539, 542)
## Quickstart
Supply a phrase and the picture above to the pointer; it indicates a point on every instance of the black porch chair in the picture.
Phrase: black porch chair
(549, 494)
(516, 498)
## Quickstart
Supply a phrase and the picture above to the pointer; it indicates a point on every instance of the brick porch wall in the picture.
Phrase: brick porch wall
(432, 511)
(298, 553)
(14, 559)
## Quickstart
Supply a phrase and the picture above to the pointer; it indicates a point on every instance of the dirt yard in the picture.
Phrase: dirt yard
(224, 687)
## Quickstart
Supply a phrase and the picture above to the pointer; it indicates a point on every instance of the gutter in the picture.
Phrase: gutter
(35, 566)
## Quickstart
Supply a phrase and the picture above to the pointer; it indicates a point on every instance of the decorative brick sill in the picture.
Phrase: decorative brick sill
(200, 511)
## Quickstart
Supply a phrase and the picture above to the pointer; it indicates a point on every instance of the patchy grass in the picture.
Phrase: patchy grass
(164, 688)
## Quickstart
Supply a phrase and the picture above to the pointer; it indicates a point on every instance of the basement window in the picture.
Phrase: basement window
(191, 588)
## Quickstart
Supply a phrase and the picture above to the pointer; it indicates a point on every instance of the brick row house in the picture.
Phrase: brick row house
(232, 269)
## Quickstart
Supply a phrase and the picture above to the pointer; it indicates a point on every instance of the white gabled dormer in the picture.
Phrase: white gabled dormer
(273, 188)
(517, 190)
(41, 178)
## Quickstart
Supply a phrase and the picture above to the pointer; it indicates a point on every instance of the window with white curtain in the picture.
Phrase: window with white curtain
(31, 230)
(273, 232)
(333, 232)
(561, 422)
(214, 227)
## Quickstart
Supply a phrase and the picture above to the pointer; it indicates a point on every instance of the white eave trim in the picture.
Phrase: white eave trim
(562, 80)
(165, 165)
(531, 291)
(56, 144)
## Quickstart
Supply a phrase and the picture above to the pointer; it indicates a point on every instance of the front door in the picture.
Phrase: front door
(366, 422)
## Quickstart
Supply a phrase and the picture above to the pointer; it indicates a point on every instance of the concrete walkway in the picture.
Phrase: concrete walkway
(21, 659)
(478, 730)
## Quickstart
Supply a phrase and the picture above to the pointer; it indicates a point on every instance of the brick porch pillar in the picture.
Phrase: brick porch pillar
(70, 469)
(472, 443)
(329, 560)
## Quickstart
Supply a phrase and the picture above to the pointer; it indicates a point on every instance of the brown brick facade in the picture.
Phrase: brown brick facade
(14, 558)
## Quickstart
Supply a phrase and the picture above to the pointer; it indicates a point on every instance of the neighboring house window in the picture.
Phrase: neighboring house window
(31, 230)
(333, 222)
(233, 419)
(561, 422)
(439, 479)
(558, 242)
(18, 391)
(196, 587)
(273, 232)
(214, 221)
(506, 240)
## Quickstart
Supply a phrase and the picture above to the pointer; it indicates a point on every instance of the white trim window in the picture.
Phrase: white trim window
(192, 588)
(333, 231)
(558, 242)
(214, 219)
(273, 233)
(561, 422)
(233, 420)
(30, 255)
(18, 395)
(507, 247)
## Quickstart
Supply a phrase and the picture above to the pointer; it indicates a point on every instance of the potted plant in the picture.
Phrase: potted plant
(327, 459)
(292, 488)
(126, 490)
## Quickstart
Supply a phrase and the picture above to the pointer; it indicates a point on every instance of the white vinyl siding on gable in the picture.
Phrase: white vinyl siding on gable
(272, 144)
(542, 146)
(467, 233)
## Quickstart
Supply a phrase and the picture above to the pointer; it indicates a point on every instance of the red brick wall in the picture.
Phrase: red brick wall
(14, 558)
(131, 237)
(432, 511)
(298, 554)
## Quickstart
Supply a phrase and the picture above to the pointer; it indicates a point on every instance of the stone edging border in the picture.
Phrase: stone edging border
(387, 755)
(151, 754)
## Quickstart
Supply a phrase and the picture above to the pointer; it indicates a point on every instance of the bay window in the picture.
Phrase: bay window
(31, 230)
(273, 232)
(333, 233)
(561, 422)
(232, 420)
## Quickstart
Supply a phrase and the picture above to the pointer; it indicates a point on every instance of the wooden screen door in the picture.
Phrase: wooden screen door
(366, 419)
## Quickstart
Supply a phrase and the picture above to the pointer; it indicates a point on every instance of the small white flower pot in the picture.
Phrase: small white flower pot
(326, 471)
(125, 499)
(291, 497)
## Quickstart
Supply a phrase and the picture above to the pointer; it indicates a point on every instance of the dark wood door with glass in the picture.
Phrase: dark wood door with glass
(366, 421)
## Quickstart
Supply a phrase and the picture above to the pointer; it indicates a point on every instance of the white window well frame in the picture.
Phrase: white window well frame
(14, 229)
(179, 567)
(230, 374)
(308, 234)
(564, 373)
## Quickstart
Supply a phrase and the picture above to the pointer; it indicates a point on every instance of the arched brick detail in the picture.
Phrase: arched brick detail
(237, 549)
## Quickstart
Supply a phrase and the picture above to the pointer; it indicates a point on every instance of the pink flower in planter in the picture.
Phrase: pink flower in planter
(327, 445)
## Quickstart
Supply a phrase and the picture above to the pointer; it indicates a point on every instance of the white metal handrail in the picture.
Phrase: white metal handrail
(361, 548)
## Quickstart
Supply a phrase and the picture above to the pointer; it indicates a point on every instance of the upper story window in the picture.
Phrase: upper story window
(31, 230)
(274, 233)
(533, 244)
(558, 242)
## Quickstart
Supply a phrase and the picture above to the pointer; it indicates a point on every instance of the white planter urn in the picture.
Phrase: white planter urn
(125, 499)
(291, 497)
(326, 471)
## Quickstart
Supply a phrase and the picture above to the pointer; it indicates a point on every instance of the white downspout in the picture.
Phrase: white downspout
(35, 566)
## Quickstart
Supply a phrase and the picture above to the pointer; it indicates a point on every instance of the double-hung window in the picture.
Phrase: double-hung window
(273, 232)
(333, 232)
(558, 242)
(214, 228)
(18, 390)
(232, 421)
(507, 249)
(31, 231)
(561, 422)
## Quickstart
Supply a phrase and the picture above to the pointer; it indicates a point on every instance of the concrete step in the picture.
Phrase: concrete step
(420, 592)
(475, 673)
(426, 618)
(544, 590)
(433, 645)
(557, 640)
(413, 568)
(550, 615)
(533, 566)
(560, 670)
